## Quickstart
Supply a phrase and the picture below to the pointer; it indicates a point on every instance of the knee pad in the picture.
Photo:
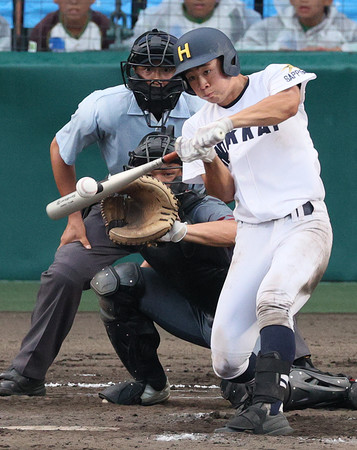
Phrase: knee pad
(126, 277)
(121, 285)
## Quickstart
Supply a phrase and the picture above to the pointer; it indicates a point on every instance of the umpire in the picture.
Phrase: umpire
(116, 119)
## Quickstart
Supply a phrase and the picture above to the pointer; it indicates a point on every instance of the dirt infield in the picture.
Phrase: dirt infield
(72, 416)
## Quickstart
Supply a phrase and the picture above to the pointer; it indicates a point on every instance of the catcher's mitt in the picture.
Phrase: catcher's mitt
(140, 213)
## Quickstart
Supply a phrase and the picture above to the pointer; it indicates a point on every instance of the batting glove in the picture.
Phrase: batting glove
(176, 234)
(189, 152)
(201, 145)
(213, 133)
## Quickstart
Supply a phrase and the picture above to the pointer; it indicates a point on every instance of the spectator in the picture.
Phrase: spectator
(73, 27)
(7, 11)
(178, 17)
(347, 7)
(35, 10)
(5, 35)
(304, 25)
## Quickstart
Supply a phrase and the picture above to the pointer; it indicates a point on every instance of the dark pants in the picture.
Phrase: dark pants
(175, 314)
(60, 294)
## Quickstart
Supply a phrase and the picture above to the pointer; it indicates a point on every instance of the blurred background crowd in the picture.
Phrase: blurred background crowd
(254, 25)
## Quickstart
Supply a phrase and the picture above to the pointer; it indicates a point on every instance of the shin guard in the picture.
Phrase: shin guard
(271, 378)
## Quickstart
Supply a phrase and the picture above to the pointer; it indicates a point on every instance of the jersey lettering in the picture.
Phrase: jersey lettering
(231, 138)
(240, 135)
(247, 134)
(263, 130)
(294, 74)
(222, 152)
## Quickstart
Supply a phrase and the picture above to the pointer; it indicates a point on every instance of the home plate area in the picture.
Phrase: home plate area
(73, 416)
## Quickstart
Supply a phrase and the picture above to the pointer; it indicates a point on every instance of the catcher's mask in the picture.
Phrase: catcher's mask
(153, 49)
(153, 146)
(198, 47)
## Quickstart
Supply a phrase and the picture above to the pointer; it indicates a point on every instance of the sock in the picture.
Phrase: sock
(277, 338)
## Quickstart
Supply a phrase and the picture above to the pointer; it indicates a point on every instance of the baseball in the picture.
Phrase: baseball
(86, 187)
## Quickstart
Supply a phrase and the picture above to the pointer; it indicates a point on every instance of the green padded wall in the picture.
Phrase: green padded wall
(39, 92)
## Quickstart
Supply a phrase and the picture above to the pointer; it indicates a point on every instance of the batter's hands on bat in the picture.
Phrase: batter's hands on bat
(201, 145)
(188, 151)
(213, 133)
(176, 234)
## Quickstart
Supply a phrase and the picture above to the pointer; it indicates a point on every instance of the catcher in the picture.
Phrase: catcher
(177, 287)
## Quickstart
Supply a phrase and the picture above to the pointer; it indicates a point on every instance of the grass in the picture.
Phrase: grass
(329, 297)
(21, 296)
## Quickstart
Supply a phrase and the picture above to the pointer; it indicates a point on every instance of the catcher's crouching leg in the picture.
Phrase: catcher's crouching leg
(133, 336)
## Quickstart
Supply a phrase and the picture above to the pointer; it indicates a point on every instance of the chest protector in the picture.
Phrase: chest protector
(197, 271)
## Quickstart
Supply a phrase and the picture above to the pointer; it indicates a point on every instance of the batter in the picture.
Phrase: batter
(267, 163)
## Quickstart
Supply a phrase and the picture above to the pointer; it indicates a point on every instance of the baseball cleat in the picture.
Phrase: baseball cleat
(13, 383)
(135, 393)
(257, 420)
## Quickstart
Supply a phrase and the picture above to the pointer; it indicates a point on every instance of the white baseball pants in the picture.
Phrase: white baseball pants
(275, 267)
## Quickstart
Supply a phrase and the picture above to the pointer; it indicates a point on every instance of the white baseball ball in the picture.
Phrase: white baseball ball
(86, 187)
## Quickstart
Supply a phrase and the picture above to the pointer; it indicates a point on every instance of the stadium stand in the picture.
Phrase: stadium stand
(34, 10)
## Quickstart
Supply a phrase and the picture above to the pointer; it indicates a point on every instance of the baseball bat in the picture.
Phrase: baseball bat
(72, 202)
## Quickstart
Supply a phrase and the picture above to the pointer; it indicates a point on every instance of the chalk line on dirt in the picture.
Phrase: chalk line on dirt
(57, 428)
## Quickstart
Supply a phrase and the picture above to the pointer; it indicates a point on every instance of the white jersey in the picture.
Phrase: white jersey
(90, 39)
(232, 17)
(275, 168)
(284, 31)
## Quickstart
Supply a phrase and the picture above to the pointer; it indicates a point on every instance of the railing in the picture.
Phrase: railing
(23, 15)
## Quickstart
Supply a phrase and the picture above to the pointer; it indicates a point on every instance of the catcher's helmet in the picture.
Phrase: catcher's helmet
(153, 49)
(153, 146)
(199, 46)
(309, 387)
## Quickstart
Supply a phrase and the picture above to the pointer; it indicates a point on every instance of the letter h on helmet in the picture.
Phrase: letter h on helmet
(199, 46)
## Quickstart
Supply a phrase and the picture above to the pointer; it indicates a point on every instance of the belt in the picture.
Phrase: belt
(304, 210)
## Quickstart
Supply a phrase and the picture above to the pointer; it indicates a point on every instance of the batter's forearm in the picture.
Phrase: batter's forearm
(271, 111)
